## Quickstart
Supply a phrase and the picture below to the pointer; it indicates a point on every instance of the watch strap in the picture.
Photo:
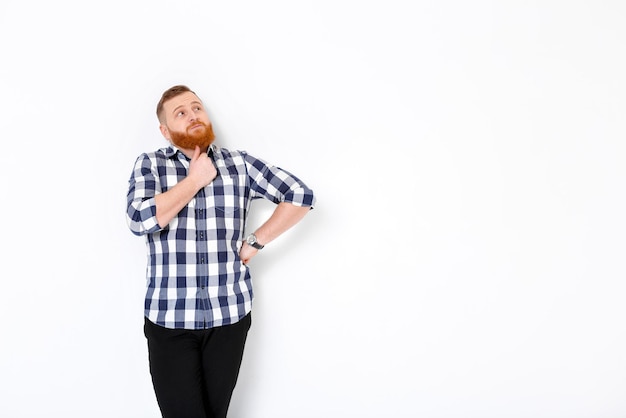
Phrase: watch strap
(257, 245)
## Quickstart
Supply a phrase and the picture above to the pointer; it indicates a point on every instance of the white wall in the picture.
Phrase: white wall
(466, 256)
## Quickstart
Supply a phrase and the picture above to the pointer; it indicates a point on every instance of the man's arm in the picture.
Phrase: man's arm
(284, 217)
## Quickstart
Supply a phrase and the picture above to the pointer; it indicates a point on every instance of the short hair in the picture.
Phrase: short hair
(170, 94)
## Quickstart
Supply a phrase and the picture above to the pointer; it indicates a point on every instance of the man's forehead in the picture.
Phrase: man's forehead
(182, 99)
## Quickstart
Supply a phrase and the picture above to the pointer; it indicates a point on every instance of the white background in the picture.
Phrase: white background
(466, 255)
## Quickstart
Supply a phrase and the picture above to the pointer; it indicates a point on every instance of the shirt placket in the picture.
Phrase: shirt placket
(202, 259)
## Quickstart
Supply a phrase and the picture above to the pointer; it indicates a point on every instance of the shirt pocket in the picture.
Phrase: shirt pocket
(227, 195)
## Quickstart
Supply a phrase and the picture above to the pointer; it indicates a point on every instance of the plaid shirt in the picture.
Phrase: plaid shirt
(195, 278)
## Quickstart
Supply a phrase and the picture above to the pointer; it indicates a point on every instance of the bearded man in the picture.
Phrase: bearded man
(190, 201)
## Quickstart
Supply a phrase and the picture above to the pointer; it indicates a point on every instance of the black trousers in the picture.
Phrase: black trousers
(194, 372)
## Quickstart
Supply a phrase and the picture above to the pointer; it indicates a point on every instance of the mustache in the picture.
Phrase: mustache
(196, 124)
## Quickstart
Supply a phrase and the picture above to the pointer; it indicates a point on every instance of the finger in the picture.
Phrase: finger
(196, 153)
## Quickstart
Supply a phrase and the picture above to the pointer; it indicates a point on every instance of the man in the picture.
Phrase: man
(190, 200)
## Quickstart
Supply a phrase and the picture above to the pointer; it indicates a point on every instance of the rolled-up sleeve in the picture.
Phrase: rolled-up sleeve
(277, 184)
(141, 206)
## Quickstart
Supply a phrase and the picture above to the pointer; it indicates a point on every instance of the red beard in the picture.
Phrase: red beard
(200, 137)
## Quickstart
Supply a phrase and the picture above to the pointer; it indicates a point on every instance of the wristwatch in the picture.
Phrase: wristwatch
(251, 240)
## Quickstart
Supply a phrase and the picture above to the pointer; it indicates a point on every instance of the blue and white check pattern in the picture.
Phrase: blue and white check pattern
(195, 278)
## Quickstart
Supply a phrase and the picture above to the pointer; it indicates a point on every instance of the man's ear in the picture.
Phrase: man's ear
(165, 132)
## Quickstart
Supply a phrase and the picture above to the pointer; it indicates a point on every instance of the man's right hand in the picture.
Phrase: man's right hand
(201, 173)
(201, 168)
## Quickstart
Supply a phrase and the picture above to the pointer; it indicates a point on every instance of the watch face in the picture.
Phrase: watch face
(251, 239)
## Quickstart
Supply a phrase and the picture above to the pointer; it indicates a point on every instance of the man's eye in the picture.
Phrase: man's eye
(180, 114)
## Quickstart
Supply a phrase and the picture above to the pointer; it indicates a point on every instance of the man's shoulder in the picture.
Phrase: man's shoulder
(160, 153)
(228, 153)
(229, 156)
(237, 162)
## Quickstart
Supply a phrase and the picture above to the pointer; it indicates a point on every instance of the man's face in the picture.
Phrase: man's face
(187, 123)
